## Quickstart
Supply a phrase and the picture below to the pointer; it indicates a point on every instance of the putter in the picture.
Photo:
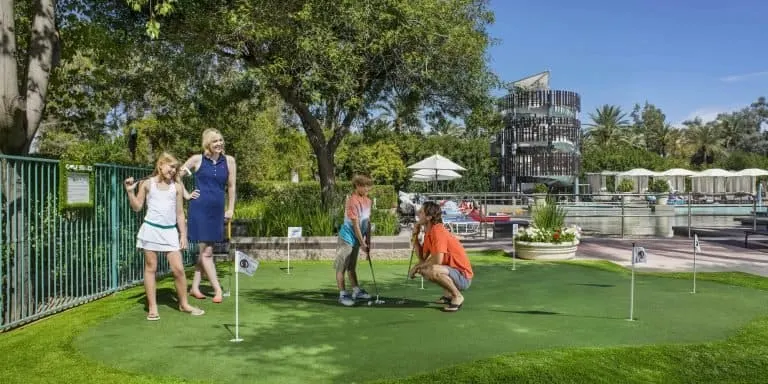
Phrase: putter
(376, 287)
(403, 300)
(229, 246)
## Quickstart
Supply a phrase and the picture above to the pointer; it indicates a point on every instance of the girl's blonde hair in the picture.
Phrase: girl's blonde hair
(167, 158)
(209, 136)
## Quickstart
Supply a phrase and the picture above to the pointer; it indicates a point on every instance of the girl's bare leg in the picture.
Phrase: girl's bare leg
(177, 267)
(150, 268)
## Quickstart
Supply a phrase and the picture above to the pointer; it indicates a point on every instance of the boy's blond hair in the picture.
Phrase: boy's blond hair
(362, 181)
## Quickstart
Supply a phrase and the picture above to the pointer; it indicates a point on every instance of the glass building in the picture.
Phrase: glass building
(541, 137)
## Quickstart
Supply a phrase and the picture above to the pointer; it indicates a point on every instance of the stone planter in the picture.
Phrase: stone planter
(539, 199)
(662, 199)
(545, 251)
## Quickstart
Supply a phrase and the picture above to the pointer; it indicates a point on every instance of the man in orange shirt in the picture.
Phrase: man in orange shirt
(443, 259)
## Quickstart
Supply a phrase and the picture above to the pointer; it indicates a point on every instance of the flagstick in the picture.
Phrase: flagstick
(632, 288)
(694, 269)
(237, 338)
(289, 255)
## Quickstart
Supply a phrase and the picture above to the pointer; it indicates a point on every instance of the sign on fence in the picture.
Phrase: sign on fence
(76, 186)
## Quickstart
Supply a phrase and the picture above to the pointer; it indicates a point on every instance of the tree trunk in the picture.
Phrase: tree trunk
(11, 103)
(44, 44)
(324, 151)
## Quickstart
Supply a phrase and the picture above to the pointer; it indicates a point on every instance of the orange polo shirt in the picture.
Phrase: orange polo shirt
(439, 240)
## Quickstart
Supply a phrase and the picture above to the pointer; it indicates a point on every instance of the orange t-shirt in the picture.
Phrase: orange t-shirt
(439, 240)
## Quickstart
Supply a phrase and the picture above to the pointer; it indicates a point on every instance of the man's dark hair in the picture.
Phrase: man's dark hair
(434, 211)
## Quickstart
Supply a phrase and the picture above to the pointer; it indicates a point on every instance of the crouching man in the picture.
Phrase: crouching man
(443, 259)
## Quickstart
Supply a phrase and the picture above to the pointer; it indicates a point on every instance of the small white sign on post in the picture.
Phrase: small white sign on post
(696, 250)
(293, 233)
(514, 251)
(639, 256)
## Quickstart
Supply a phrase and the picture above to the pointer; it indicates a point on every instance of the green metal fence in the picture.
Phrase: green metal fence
(50, 259)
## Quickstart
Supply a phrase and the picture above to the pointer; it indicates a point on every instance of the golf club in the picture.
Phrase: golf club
(376, 287)
(403, 300)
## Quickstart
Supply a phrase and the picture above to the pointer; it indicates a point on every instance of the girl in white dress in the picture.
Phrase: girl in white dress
(164, 229)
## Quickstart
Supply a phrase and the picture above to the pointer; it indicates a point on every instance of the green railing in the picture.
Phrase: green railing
(52, 259)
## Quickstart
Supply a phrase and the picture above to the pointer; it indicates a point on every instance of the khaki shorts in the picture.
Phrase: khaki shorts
(346, 256)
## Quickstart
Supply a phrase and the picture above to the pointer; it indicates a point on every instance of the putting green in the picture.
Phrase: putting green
(295, 332)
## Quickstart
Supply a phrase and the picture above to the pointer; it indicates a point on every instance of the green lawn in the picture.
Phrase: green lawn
(545, 322)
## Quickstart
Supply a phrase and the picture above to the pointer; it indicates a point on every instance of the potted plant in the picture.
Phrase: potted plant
(660, 188)
(625, 186)
(540, 191)
(548, 238)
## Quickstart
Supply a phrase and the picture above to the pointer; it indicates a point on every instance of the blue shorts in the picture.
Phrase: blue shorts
(461, 282)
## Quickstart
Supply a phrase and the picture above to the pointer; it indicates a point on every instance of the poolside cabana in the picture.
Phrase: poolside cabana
(711, 181)
(676, 178)
(598, 182)
(745, 181)
(639, 177)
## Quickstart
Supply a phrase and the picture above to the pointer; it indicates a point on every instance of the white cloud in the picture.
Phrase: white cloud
(707, 114)
(743, 76)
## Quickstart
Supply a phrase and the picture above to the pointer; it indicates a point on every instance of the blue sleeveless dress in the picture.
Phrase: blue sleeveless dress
(206, 213)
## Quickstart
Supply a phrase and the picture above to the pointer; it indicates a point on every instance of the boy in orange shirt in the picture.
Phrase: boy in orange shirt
(443, 259)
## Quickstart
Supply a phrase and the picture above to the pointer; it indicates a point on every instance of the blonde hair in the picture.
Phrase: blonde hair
(209, 136)
(361, 181)
(167, 158)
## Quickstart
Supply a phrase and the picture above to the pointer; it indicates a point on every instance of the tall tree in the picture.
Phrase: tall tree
(24, 83)
(609, 126)
(332, 61)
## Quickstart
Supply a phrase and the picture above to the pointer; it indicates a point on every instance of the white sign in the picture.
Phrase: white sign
(294, 232)
(696, 243)
(514, 229)
(78, 188)
(639, 256)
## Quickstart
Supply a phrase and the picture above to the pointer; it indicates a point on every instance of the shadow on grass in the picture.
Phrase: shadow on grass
(596, 285)
(549, 313)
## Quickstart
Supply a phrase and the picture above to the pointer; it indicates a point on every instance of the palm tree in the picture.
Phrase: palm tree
(732, 129)
(609, 126)
(705, 139)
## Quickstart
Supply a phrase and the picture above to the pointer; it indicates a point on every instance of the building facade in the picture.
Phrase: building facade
(541, 138)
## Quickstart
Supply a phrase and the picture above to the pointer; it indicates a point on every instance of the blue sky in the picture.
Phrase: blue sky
(687, 57)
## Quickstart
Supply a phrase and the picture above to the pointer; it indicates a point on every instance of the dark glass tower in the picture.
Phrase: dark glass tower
(541, 137)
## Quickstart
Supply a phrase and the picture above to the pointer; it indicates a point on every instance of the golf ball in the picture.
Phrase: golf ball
(370, 302)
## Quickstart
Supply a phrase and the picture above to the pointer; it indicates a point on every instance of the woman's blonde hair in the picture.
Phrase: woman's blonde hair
(209, 136)
(167, 158)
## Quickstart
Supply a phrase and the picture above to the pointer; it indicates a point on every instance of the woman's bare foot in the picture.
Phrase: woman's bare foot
(197, 295)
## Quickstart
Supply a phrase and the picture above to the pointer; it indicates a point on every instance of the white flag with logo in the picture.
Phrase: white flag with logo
(639, 256)
(246, 264)
(696, 243)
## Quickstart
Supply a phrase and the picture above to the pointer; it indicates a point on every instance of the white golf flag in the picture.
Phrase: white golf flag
(639, 256)
(246, 264)
(696, 243)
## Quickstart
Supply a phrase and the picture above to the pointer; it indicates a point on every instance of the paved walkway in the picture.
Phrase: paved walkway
(664, 254)
(676, 254)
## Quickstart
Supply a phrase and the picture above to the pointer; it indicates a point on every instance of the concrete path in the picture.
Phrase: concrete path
(676, 254)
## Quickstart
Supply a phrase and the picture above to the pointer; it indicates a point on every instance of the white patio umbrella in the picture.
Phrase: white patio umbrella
(428, 175)
(437, 162)
(678, 172)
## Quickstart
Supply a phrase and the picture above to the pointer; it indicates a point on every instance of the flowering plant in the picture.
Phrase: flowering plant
(549, 226)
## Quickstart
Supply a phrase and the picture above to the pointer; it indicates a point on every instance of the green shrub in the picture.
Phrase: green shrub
(626, 185)
(309, 191)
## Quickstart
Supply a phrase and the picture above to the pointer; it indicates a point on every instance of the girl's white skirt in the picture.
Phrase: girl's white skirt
(156, 239)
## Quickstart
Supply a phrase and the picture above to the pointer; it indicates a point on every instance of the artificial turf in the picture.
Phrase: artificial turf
(295, 332)
(77, 346)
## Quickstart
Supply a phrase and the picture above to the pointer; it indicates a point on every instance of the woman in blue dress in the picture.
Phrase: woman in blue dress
(214, 174)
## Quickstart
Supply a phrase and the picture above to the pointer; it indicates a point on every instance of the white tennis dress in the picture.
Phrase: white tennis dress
(158, 232)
